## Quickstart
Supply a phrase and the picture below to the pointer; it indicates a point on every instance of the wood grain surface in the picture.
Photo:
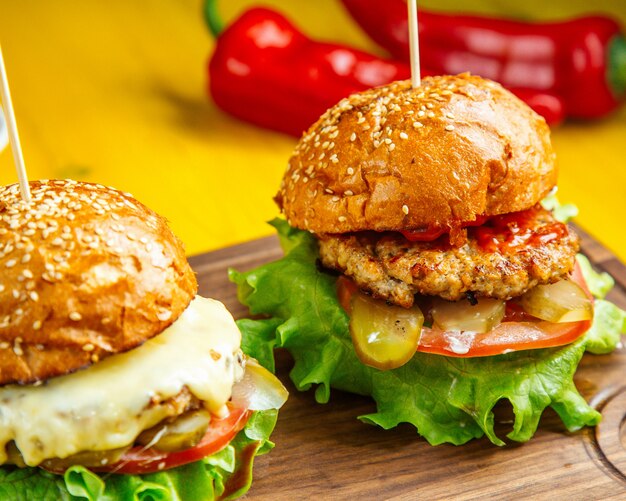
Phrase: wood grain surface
(323, 452)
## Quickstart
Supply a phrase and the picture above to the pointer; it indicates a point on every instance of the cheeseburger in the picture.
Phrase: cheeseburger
(422, 268)
(113, 372)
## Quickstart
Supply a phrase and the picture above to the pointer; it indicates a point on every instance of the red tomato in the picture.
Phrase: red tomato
(505, 338)
(519, 330)
(345, 289)
(221, 431)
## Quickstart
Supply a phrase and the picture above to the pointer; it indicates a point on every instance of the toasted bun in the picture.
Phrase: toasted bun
(86, 272)
(395, 158)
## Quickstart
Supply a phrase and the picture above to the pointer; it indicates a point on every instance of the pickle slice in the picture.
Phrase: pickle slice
(481, 317)
(563, 301)
(384, 336)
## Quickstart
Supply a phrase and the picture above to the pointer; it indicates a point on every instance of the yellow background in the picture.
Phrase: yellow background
(114, 92)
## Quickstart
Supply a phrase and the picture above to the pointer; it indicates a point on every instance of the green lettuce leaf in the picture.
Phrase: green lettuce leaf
(448, 400)
(562, 212)
(599, 283)
(209, 479)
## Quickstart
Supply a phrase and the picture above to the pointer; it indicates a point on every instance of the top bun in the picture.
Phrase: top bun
(86, 272)
(398, 158)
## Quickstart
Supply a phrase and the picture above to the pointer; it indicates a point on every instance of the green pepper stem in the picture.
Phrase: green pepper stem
(617, 65)
(212, 18)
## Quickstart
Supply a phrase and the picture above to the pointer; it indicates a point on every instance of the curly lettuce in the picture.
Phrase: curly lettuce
(448, 400)
(226, 474)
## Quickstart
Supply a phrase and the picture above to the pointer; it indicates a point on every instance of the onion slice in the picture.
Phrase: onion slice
(562, 301)
(259, 389)
(481, 317)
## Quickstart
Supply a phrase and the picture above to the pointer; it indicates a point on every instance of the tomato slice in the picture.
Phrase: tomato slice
(505, 338)
(219, 434)
(519, 330)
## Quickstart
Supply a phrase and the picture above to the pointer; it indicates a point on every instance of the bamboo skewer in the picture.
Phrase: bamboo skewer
(14, 138)
(414, 44)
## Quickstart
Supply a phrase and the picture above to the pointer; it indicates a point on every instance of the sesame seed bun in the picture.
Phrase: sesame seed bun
(397, 158)
(85, 272)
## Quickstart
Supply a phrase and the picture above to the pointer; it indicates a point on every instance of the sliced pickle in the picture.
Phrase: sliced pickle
(384, 337)
(183, 433)
(483, 316)
(562, 301)
(85, 458)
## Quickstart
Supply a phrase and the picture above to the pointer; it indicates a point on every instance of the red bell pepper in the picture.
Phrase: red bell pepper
(265, 71)
(581, 60)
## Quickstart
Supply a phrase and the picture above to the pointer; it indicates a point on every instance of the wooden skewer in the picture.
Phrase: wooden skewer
(416, 78)
(14, 138)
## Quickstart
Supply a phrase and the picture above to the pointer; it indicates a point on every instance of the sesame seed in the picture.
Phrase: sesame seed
(4, 345)
(353, 137)
(450, 127)
(36, 325)
(27, 273)
(405, 209)
(350, 171)
(335, 199)
(164, 315)
(88, 347)
(342, 219)
(10, 263)
(417, 125)
(75, 316)
(329, 191)
(404, 135)
(348, 193)
(392, 147)
(34, 296)
(26, 258)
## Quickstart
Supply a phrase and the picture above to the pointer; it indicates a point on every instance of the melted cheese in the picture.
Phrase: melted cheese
(108, 404)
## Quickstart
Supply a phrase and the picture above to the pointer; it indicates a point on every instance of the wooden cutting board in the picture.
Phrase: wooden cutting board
(324, 452)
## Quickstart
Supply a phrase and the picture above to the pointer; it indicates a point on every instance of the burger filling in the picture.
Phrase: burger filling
(508, 286)
(503, 258)
(163, 394)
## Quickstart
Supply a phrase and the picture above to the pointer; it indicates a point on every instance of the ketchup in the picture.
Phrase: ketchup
(510, 232)
(431, 233)
(503, 233)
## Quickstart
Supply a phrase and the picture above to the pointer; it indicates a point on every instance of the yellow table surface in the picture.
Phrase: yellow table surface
(114, 92)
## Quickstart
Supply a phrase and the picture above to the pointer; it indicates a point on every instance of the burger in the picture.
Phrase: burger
(116, 380)
(425, 266)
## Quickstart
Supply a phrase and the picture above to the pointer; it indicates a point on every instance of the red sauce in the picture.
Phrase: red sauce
(510, 232)
(431, 233)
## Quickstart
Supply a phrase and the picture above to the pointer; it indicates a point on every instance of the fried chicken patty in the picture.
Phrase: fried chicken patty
(513, 260)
